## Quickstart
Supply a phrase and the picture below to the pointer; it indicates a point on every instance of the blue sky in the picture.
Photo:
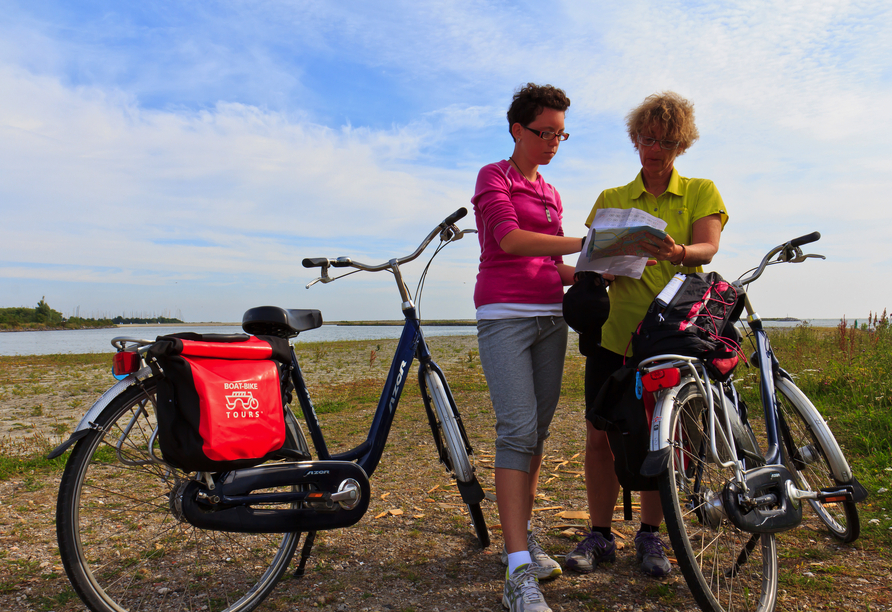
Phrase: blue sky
(183, 157)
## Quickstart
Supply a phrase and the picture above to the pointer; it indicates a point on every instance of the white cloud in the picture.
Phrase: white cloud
(196, 145)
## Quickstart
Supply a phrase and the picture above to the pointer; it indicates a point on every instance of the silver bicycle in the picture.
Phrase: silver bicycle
(729, 480)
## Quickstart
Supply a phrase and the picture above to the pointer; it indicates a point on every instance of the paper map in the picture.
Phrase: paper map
(613, 244)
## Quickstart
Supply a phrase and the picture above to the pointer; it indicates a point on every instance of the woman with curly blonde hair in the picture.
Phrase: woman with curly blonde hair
(661, 129)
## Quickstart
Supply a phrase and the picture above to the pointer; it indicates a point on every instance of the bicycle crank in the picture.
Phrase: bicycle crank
(279, 498)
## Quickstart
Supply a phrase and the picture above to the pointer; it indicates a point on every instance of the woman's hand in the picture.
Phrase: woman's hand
(663, 250)
(705, 236)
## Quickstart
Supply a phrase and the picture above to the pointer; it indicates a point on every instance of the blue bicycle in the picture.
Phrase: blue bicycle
(136, 533)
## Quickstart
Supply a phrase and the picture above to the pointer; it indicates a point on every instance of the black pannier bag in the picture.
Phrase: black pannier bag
(621, 414)
(697, 321)
(220, 402)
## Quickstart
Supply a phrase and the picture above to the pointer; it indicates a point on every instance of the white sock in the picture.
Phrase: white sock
(516, 559)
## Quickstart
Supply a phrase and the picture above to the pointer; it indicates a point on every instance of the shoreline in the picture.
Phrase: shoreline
(393, 323)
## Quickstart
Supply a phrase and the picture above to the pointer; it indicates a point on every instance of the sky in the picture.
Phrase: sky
(181, 158)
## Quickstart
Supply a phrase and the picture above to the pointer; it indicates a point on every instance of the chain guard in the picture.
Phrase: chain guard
(301, 493)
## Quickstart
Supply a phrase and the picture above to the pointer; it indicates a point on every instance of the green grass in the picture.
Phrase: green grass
(28, 456)
(847, 374)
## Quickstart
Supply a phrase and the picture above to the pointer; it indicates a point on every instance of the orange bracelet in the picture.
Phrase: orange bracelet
(684, 253)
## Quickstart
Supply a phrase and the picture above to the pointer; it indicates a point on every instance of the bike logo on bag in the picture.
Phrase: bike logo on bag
(243, 403)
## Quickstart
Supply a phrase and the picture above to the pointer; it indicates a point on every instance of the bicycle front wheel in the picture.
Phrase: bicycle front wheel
(123, 541)
(725, 568)
(808, 455)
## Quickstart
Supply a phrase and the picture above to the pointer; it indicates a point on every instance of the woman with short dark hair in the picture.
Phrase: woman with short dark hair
(521, 333)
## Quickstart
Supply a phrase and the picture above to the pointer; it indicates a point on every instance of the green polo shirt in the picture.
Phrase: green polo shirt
(685, 201)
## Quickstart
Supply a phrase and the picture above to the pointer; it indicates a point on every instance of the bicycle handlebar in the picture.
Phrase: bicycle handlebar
(459, 214)
(789, 252)
(446, 229)
(813, 237)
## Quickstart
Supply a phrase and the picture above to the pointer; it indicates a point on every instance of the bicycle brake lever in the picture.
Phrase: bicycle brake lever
(459, 234)
(802, 258)
(325, 278)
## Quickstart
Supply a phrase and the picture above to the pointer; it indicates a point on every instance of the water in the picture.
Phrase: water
(99, 340)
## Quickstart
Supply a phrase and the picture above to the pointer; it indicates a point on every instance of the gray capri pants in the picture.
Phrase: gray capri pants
(523, 360)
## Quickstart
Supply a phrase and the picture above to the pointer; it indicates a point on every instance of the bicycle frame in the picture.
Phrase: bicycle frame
(368, 453)
(723, 430)
(411, 345)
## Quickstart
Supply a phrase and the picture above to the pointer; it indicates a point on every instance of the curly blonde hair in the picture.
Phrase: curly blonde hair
(669, 111)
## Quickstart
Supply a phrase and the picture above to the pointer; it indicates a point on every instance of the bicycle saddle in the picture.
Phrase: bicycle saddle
(275, 321)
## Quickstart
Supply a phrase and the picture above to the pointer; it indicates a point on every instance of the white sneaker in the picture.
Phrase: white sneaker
(547, 568)
(522, 593)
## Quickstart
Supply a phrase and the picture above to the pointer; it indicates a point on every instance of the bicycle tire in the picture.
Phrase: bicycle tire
(448, 430)
(725, 568)
(121, 543)
(807, 455)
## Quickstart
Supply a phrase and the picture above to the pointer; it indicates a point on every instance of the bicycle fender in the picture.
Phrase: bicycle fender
(838, 464)
(86, 423)
(471, 492)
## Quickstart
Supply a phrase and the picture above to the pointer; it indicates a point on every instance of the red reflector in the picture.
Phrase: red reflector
(125, 362)
(829, 500)
(660, 379)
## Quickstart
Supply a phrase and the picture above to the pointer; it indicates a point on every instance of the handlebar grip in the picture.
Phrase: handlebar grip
(314, 262)
(461, 212)
(813, 237)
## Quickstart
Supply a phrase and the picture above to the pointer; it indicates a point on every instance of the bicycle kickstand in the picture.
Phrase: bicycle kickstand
(305, 553)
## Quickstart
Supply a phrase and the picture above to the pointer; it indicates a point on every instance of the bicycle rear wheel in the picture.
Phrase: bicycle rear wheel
(123, 542)
(725, 568)
(449, 435)
(807, 457)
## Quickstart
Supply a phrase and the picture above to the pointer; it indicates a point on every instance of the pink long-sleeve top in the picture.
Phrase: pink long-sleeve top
(504, 200)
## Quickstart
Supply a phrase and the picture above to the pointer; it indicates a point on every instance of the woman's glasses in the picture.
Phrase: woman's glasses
(548, 135)
(666, 145)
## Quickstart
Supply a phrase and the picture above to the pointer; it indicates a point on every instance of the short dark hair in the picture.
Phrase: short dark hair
(532, 99)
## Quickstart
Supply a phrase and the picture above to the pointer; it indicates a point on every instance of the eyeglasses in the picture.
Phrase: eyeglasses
(666, 145)
(548, 135)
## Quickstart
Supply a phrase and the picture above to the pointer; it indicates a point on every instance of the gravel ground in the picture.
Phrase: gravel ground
(415, 549)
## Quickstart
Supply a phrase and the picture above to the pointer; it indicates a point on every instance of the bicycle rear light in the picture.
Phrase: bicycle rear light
(660, 379)
(125, 362)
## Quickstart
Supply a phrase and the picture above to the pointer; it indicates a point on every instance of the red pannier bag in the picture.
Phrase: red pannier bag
(220, 400)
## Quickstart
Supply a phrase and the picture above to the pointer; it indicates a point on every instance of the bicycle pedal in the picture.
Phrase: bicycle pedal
(831, 495)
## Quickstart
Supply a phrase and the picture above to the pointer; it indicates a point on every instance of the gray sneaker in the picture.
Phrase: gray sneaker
(547, 567)
(649, 549)
(522, 593)
(594, 549)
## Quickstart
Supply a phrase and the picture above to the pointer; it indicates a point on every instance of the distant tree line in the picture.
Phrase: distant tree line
(44, 317)
(132, 320)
